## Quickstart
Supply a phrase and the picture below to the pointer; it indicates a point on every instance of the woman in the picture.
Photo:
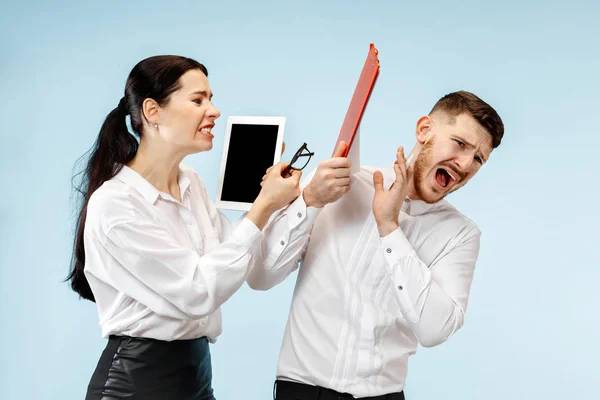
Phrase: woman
(151, 249)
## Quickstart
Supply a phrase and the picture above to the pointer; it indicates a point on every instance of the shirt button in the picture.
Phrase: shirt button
(400, 287)
(388, 250)
(299, 215)
(189, 221)
(406, 200)
(282, 243)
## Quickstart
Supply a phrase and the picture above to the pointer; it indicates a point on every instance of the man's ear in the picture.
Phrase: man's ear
(423, 131)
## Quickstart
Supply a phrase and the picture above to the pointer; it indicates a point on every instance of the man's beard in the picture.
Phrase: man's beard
(420, 174)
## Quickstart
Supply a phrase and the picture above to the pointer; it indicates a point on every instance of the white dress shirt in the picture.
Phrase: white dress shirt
(160, 268)
(362, 303)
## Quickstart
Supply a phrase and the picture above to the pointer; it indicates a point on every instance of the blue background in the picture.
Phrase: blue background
(531, 329)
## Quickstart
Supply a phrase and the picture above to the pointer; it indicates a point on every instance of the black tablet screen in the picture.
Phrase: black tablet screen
(251, 152)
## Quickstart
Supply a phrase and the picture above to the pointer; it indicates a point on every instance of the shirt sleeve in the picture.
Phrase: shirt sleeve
(173, 280)
(284, 242)
(432, 299)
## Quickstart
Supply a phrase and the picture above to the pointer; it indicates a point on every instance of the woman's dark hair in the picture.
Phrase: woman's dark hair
(155, 78)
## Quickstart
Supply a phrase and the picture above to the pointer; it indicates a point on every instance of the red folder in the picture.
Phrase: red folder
(359, 101)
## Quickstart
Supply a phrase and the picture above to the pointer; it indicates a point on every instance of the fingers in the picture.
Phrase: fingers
(340, 162)
(296, 175)
(378, 181)
(282, 148)
(400, 155)
(400, 180)
(332, 174)
(401, 164)
(398, 172)
(341, 172)
(278, 168)
(340, 149)
(341, 182)
(264, 178)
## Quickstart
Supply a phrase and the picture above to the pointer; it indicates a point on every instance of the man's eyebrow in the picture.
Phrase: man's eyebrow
(462, 139)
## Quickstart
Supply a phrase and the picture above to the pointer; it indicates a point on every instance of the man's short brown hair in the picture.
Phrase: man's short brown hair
(461, 102)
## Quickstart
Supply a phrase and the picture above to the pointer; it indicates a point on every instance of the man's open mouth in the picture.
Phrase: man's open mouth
(445, 177)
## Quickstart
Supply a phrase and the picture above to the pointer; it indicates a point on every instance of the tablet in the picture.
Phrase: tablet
(359, 101)
(252, 144)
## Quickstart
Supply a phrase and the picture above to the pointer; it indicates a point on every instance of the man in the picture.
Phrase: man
(387, 266)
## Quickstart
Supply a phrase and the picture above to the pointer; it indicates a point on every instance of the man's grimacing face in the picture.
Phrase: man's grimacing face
(454, 149)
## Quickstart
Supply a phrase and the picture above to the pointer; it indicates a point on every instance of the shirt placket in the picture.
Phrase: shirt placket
(195, 236)
(191, 225)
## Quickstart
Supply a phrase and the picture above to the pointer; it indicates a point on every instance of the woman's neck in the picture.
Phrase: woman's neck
(160, 167)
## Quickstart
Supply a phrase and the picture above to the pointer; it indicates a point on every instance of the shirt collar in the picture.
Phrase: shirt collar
(413, 207)
(145, 188)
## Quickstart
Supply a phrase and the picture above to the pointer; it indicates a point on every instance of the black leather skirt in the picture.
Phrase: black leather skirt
(149, 369)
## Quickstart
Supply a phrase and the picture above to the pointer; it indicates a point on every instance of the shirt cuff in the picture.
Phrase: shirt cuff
(247, 233)
(298, 212)
(396, 246)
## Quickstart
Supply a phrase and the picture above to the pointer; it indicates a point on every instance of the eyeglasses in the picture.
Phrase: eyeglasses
(297, 162)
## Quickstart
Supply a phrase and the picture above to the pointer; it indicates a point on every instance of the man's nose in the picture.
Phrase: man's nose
(464, 163)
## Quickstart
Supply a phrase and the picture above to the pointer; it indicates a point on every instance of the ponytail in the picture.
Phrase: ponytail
(114, 147)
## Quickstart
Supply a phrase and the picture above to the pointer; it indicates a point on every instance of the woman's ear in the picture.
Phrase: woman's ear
(151, 111)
